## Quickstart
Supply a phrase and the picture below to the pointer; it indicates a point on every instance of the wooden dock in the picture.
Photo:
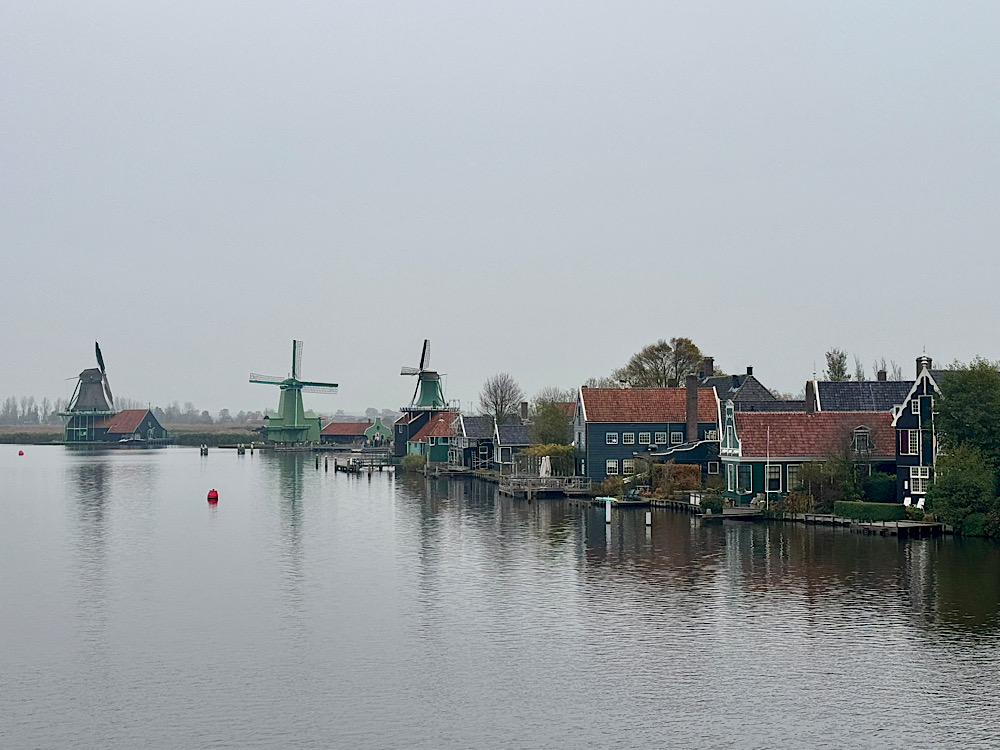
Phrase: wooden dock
(902, 529)
(531, 486)
(364, 463)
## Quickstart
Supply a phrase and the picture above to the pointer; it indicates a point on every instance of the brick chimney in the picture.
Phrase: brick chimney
(691, 406)
(923, 363)
(810, 396)
(881, 376)
(749, 370)
(524, 412)
(708, 367)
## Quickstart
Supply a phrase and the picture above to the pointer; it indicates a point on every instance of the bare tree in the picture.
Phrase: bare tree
(501, 397)
(859, 369)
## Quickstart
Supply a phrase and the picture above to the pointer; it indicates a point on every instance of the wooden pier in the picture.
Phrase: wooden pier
(360, 463)
(529, 486)
(902, 529)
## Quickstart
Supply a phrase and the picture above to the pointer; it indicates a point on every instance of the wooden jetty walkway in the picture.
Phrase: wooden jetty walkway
(529, 486)
(359, 463)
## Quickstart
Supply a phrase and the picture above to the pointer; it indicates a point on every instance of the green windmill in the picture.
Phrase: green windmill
(428, 395)
(291, 425)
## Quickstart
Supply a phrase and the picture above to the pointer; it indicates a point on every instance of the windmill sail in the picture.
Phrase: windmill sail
(297, 347)
(425, 355)
(107, 392)
(100, 359)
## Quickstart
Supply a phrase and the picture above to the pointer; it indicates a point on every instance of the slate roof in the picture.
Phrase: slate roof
(124, 422)
(441, 424)
(811, 436)
(514, 434)
(345, 428)
(865, 395)
(478, 428)
(738, 388)
(646, 405)
(776, 405)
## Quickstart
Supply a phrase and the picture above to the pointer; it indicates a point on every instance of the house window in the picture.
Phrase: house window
(730, 473)
(862, 442)
(919, 477)
(914, 406)
(793, 476)
(661, 438)
(774, 478)
(676, 438)
(711, 434)
(744, 478)
(611, 438)
(628, 438)
(914, 442)
(611, 466)
(643, 438)
(713, 467)
(628, 466)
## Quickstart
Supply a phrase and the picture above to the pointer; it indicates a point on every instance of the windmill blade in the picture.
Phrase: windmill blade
(314, 384)
(425, 355)
(255, 378)
(100, 359)
(107, 392)
(409, 371)
(328, 389)
(297, 347)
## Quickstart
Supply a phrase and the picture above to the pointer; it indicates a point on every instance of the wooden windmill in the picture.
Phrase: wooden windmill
(428, 395)
(291, 424)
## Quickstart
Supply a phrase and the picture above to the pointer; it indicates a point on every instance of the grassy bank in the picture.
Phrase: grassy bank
(180, 434)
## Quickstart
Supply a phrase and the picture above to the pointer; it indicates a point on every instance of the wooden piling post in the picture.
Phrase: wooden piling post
(607, 511)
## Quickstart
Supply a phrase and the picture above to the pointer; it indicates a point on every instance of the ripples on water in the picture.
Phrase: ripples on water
(317, 610)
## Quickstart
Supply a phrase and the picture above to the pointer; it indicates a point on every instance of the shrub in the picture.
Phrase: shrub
(915, 514)
(962, 486)
(879, 488)
(991, 523)
(412, 463)
(712, 501)
(869, 511)
(560, 456)
(795, 502)
(612, 486)
(671, 477)
(974, 525)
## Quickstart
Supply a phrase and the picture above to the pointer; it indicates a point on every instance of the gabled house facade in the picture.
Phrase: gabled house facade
(916, 439)
(612, 425)
(762, 452)
(345, 435)
(509, 439)
(138, 426)
(434, 438)
(472, 446)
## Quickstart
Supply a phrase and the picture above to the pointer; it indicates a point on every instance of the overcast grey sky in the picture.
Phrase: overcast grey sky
(539, 187)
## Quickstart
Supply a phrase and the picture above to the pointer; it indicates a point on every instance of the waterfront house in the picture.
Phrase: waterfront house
(472, 445)
(508, 439)
(344, 435)
(612, 426)
(762, 452)
(916, 443)
(129, 426)
(434, 438)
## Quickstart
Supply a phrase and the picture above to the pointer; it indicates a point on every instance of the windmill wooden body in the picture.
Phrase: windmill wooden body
(291, 425)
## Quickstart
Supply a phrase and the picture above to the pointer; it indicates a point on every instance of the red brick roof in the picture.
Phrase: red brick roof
(646, 405)
(817, 435)
(440, 424)
(124, 422)
(346, 428)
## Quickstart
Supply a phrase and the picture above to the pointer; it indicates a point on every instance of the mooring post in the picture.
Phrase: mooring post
(326, 463)
(649, 518)
(607, 510)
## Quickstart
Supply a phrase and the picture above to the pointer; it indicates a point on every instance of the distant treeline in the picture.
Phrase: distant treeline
(27, 411)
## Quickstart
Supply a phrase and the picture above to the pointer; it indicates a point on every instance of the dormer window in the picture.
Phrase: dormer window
(862, 442)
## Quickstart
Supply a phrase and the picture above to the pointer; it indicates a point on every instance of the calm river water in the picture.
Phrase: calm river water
(316, 610)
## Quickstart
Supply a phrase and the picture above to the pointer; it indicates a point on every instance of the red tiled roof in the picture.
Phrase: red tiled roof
(124, 422)
(646, 405)
(346, 428)
(567, 407)
(817, 435)
(441, 424)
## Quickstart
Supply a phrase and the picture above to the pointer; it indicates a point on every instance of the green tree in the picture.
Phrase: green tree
(836, 365)
(963, 485)
(549, 424)
(650, 367)
(685, 359)
(969, 409)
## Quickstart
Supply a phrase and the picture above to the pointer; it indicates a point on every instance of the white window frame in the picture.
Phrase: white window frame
(628, 466)
(611, 467)
(776, 470)
(711, 434)
(676, 438)
(792, 476)
(915, 406)
(628, 438)
(660, 438)
(644, 438)
(713, 467)
(914, 443)
(730, 477)
(611, 438)
(919, 479)
(748, 490)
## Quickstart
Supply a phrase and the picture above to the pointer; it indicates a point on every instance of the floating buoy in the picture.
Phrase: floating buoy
(20, 453)
(213, 497)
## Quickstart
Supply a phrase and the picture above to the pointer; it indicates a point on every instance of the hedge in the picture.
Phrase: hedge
(869, 511)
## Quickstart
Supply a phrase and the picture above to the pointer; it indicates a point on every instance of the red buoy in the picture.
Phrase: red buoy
(213, 497)
(20, 453)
